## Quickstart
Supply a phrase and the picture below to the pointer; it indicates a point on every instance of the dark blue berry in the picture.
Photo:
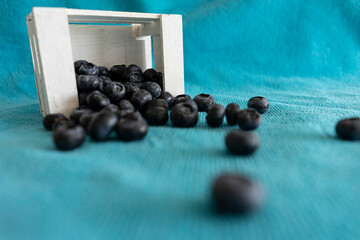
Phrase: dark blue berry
(132, 73)
(110, 108)
(156, 116)
(241, 142)
(96, 100)
(82, 99)
(157, 103)
(153, 88)
(121, 113)
(140, 98)
(126, 105)
(116, 72)
(348, 129)
(150, 75)
(131, 127)
(260, 104)
(131, 88)
(85, 119)
(103, 81)
(181, 96)
(78, 64)
(101, 125)
(184, 115)
(89, 69)
(215, 115)
(248, 119)
(50, 119)
(104, 71)
(232, 110)
(78, 112)
(187, 100)
(236, 194)
(115, 91)
(168, 98)
(68, 137)
(204, 101)
(87, 83)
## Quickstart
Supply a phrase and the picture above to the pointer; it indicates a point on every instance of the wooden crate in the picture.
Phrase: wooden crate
(59, 36)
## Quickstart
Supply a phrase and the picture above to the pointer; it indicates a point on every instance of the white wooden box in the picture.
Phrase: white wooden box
(60, 36)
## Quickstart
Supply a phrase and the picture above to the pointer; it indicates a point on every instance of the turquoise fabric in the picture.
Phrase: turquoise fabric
(304, 56)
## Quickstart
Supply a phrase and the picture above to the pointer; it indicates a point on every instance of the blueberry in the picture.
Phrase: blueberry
(121, 113)
(204, 101)
(131, 127)
(126, 105)
(132, 73)
(153, 88)
(181, 96)
(103, 81)
(248, 119)
(78, 64)
(82, 96)
(156, 116)
(85, 119)
(50, 119)
(101, 125)
(96, 100)
(232, 110)
(87, 82)
(184, 115)
(260, 104)
(115, 91)
(168, 98)
(348, 129)
(110, 108)
(140, 98)
(241, 142)
(63, 123)
(68, 137)
(89, 69)
(131, 88)
(150, 75)
(78, 112)
(187, 100)
(116, 72)
(157, 103)
(104, 71)
(236, 194)
(215, 115)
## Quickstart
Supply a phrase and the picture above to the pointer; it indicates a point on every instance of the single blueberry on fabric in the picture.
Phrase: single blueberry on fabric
(215, 115)
(348, 129)
(131, 127)
(184, 115)
(156, 116)
(204, 101)
(69, 137)
(101, 125)
(232, 109)
(89, 69)
(236, 194)
(241, 142)
(260, 104)
(248, 119)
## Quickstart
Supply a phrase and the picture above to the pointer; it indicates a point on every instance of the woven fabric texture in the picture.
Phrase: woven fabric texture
(304, 56)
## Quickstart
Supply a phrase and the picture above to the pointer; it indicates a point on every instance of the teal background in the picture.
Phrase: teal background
(303, 55)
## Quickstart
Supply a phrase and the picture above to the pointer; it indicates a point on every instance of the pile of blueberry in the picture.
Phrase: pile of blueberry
(126, 100)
